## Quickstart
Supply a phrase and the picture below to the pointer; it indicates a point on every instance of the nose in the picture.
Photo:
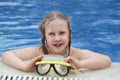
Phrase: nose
(57, 38)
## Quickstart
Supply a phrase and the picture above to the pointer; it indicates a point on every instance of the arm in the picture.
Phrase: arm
(89, 60)
(15, 58)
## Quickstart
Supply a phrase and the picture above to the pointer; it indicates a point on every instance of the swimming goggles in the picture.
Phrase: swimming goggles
(61, 68)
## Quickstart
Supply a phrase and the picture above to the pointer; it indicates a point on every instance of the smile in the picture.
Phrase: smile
(58, 45)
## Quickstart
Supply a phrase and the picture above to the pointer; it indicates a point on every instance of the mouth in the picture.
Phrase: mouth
(58, 45)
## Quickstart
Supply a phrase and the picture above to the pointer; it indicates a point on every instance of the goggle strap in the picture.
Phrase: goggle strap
(53, 62)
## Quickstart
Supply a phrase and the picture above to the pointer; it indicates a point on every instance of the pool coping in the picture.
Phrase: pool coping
(111, 73)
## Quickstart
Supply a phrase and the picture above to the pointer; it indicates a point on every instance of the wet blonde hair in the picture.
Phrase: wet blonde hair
(50, 17)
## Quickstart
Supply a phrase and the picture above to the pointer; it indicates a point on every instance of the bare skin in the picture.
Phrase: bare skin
(57, 36)
(81, 59)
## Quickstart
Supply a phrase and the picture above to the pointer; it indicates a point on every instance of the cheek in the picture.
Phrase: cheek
(47, 37)
(49, 40)
(66, 38)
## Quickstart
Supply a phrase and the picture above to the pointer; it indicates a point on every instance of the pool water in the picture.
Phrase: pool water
(95, 24)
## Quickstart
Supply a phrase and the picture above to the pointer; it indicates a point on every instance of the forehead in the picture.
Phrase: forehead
(57, 24)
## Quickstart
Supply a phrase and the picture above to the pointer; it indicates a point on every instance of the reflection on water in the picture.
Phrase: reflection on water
(95, 24)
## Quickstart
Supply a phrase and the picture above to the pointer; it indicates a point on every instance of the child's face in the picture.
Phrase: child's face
(57, 35)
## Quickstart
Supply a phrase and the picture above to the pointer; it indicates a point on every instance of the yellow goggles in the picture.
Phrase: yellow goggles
(60, 67)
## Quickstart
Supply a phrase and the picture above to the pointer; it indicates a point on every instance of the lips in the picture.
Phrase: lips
(58, 45)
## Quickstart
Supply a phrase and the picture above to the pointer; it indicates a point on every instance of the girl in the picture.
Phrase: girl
(56, 39)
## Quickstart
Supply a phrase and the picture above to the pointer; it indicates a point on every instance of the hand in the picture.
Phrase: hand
(72, 60)
(30, 65)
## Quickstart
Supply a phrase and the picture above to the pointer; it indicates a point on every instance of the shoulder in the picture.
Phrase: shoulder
(76, 52)
(37, 50)
(84, 53)
(28, 49)
(25, 53)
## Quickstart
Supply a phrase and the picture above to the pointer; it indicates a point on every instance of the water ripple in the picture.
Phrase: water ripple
(9, 4)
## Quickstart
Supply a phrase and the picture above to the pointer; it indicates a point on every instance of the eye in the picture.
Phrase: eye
(51, 34)
(62, 33)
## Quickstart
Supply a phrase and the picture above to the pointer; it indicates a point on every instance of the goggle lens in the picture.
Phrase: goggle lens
(61, 69)
(43, 68)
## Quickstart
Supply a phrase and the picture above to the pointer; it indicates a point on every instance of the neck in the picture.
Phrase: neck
(62, 53)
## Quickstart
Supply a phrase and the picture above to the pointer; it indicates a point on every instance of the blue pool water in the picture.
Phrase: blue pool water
(95, 24)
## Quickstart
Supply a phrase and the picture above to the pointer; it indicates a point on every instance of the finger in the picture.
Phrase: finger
(68, 59)
(39, 57)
